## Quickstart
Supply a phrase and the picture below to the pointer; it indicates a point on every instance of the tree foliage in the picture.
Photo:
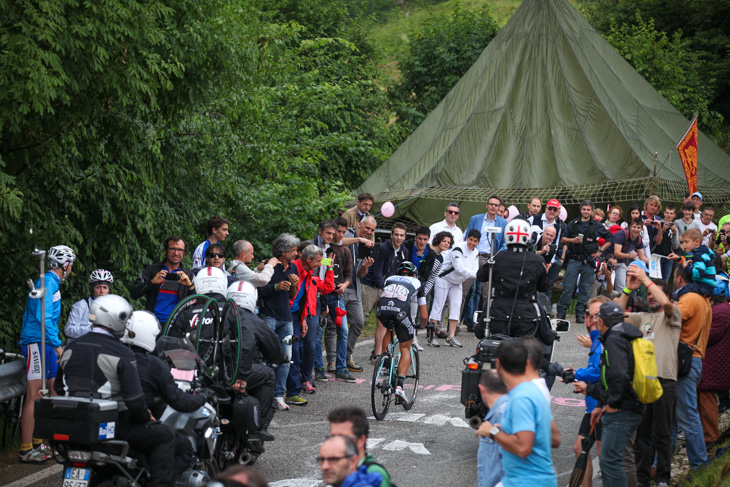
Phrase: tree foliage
(670, 66)
(441, 51)
(126, 122)
(705, 33)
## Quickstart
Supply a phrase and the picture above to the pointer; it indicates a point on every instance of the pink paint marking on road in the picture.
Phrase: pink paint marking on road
(569, 401)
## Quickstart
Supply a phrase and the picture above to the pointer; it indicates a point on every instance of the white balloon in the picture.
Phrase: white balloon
(387, 209)
(563, 213)
(512, 212)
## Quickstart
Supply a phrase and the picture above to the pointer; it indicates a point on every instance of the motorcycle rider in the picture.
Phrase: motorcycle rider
(517, 276)
(265, 353)
(98, 364)
(158, 384)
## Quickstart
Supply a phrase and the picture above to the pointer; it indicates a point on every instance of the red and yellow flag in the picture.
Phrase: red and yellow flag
(687, 149)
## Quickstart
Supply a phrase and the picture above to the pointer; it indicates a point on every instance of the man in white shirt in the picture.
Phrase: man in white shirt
(551, 217)
(708, 229)
(697, 200)
(448, 224)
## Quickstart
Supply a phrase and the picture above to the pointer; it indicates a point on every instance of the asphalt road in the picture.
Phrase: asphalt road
(430, 444)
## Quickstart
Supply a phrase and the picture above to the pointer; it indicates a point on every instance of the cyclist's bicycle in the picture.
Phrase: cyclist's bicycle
(385, 376)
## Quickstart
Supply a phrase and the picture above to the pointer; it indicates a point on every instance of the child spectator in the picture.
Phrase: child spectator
(698, 261)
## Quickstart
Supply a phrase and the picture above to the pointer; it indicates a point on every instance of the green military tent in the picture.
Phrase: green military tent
(549, 109)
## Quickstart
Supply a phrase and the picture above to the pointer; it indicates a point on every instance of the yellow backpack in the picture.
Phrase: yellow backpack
(646, 383)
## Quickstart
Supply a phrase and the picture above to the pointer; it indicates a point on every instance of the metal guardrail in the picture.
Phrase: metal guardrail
(12, 380)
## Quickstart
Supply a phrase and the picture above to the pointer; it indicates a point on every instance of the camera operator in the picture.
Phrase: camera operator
(546, 246)
(603, 284)
(518, 275)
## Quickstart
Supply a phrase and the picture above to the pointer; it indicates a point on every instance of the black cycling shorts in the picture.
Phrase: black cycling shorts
(585, 427)
(399, 319)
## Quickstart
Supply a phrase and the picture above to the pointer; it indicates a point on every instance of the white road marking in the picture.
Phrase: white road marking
(399, 445)
(442, 420)
(296, 483)
(374, 442)
(37, 477)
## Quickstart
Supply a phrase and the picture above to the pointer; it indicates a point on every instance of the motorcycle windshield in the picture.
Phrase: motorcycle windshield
(180, 351)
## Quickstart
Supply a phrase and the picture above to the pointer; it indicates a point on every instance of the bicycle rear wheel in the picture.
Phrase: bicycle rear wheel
(410, 384)
(382, 390)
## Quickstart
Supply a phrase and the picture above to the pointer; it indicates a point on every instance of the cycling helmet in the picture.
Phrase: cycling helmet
(517, 232)
(101, 276)
(142, 330)
(244, 294)
(211, 280)
(60, 255)
(407, 268)
(112, 312)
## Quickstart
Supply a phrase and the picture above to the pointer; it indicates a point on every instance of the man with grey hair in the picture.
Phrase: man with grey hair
(243, 253)
(338, 461)
(448, 224)
(305, 319)
(275, 309)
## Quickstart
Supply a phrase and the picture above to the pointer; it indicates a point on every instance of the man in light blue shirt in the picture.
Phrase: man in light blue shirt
(481, 222)
(489, 456)
(524, 434)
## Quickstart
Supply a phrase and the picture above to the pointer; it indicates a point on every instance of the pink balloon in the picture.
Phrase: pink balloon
(387, 209)
(512, 212)
(563, 213)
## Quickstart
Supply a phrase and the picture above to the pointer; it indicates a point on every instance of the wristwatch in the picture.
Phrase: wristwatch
(493, 432)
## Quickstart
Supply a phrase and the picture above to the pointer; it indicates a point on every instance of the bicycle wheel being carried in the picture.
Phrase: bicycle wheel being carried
(383, 386)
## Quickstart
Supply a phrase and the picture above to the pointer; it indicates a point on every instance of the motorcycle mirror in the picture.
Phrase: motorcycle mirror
(561, 326)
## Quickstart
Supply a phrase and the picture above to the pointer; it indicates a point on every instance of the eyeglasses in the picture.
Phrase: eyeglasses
(321, 460)
(452, 212)
(492, 204)
(216, 255)
(593, 317)
(552, 208)
(176, 250)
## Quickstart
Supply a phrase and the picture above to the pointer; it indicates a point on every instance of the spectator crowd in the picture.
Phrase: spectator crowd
(317, 294)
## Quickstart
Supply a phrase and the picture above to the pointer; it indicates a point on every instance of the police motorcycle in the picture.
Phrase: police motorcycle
(485, 354)
(82, 431)
(211, 323)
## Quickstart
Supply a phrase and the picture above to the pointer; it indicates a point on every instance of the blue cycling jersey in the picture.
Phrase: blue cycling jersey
(31, 330)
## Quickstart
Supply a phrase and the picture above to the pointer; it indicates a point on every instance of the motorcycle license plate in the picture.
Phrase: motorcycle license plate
(76, 477)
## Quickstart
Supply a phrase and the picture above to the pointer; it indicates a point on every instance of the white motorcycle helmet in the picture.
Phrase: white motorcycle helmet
(517, 232)
(112, 312)
(142, 330)
(210, 280)
(244, 294)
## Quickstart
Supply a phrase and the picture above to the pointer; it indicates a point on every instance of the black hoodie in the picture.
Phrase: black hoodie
(617, 369)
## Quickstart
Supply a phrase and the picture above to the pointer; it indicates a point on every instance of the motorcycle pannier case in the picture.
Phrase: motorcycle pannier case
(75, 419)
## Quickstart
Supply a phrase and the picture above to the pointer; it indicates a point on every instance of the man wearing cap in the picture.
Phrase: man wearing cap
(543, 220)
(621, 412)
(697, 200)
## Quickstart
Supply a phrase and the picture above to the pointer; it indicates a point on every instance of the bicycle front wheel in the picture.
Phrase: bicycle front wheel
(381, 391)
(410, 384)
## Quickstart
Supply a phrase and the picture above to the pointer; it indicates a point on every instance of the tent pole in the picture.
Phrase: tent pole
(653, 179)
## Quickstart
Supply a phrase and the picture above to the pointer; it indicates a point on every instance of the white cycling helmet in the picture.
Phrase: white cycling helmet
(210, 280)
(244, 294)
(112, 312)
(60, 255)
(101, 276)
(517, 232)
(142, 330)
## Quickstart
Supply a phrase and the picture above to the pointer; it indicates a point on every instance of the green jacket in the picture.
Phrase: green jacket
(375, 468)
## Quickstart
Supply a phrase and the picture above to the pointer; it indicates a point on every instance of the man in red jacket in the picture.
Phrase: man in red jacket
(304, 317)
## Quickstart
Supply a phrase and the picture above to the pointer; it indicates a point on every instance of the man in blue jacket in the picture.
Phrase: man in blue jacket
(589, 374)
(481, 222)
(61, 260)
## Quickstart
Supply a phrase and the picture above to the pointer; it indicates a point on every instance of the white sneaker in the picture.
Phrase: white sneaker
(280, 404)
(453, 342)
(417, 345)
(399, 392)
(434, 342)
